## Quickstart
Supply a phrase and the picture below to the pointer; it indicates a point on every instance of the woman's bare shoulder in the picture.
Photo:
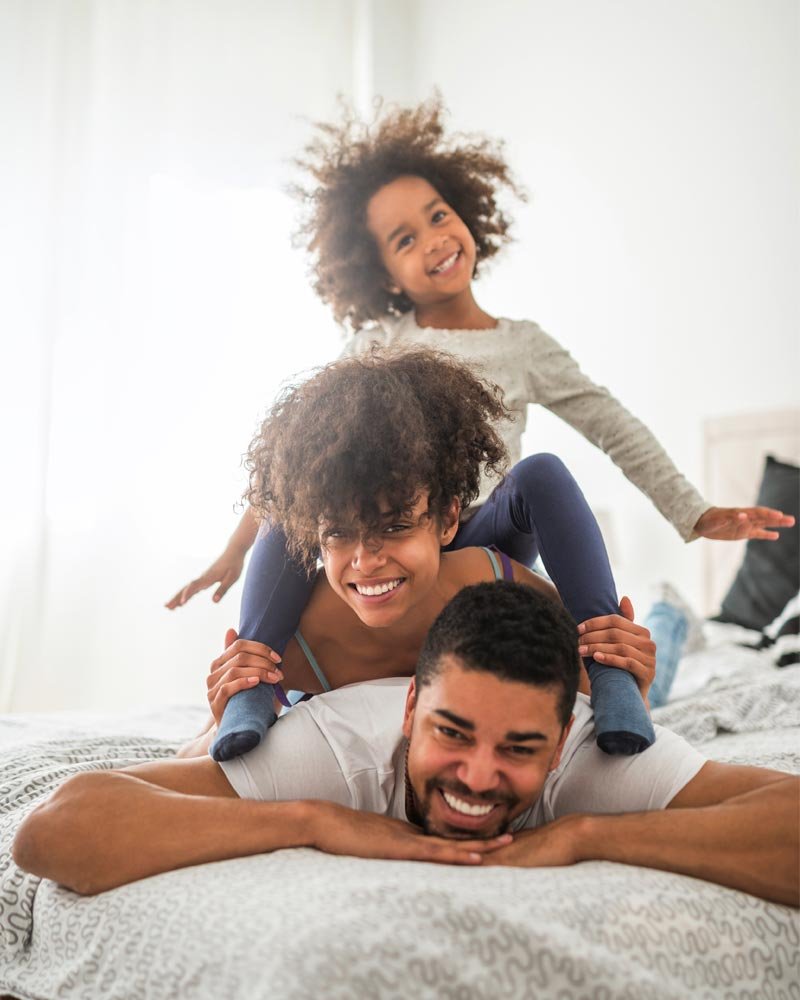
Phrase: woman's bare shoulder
(473, 565)
(470, 565)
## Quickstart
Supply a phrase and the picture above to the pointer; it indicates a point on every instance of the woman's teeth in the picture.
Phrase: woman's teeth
(446, 264)
(382, 588)
(465, 807)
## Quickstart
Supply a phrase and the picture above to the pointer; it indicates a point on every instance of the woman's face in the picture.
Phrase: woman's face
(427, 250)
(383, 577)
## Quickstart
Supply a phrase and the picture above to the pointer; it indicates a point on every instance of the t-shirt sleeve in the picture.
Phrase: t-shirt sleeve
(557, 382)
(293, 761)
(594, 782)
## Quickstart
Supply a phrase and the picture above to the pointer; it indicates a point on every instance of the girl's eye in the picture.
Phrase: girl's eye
(404, 241)
(396, 529)
(438, 215)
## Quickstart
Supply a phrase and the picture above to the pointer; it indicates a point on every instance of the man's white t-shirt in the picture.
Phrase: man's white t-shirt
(346, 746)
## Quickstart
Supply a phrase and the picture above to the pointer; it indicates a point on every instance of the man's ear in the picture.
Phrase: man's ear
(560, 748)
(450, 521)
(411, 703)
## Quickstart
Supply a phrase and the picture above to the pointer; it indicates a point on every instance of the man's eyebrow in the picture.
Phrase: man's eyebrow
(456, 719)
(512, 736)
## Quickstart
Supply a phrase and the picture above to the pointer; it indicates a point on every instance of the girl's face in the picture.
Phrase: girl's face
(383, 578)
(428, 252)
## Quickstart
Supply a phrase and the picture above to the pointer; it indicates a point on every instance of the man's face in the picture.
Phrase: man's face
(480, 749)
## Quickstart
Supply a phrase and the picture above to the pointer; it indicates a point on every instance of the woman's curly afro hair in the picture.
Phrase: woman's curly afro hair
(364, 435)
(350, 161)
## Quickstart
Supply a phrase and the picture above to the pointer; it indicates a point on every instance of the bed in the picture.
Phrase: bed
(301, 924)
(297, 923)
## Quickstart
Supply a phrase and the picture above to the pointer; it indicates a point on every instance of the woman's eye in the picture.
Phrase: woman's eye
(395, 529)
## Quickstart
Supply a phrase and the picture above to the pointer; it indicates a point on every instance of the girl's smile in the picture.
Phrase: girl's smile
(427, 250)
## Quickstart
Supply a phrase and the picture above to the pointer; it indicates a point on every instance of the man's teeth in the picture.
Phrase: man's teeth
(382, 588)
(465, 807)
(446, 263)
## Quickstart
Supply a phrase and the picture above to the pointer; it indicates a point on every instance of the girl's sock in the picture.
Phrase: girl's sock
(540, 508)
(276, 591)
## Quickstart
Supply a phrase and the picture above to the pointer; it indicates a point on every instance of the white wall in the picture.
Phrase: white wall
(153, 284)
(658, 141)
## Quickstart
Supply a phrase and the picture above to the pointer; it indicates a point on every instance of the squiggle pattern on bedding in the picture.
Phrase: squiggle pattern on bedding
(392, 929)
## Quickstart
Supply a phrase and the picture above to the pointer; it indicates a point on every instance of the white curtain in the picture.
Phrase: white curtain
(152, 306)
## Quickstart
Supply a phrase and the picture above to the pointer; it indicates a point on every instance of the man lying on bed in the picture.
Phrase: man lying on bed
(487, 751)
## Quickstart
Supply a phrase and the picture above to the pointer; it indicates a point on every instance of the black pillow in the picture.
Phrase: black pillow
(770, 573)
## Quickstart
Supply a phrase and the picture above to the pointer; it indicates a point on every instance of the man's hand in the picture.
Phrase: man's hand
(339, 830)
(617, 641)
(731, 524)
(550, 846)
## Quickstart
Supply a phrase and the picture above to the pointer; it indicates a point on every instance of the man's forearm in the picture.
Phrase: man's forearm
(751, 842)
(106, 829)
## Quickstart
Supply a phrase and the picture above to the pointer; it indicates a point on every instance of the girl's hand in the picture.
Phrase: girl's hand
(617, 641)
(731, 524)
(243, 665)
(225, 571)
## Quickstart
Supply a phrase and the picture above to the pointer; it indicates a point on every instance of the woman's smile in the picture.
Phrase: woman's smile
(374, 592)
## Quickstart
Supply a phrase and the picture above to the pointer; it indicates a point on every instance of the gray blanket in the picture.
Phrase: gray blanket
(298, 923)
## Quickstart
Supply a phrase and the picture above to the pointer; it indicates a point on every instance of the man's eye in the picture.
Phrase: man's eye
(520, 751)
(450, 734)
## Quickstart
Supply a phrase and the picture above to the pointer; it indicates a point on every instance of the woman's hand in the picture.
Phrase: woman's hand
(243, 665)
(731, 524)
(617, 641)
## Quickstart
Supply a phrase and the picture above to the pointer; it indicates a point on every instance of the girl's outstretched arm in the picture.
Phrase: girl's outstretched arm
(227, 569)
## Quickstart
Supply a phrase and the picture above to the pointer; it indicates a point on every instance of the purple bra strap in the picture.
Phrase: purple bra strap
(505, 562)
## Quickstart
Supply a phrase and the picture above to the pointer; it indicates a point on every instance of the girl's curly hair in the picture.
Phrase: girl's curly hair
(350, 161)
(364, 435)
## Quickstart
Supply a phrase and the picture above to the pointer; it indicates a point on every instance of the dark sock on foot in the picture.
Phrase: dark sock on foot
(621, 720)
(247, 717)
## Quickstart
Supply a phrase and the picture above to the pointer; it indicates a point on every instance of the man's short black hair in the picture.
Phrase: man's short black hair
(508, 630)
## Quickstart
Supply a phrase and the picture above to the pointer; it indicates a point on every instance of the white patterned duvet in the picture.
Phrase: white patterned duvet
(300, 924)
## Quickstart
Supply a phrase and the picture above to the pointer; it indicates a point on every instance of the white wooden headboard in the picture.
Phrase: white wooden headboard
(735, 449)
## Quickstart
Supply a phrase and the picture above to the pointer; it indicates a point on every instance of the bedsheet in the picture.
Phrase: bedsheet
(298, 923)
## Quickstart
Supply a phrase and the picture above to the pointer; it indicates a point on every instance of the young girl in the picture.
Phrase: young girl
(369, 463)
(399, 222)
